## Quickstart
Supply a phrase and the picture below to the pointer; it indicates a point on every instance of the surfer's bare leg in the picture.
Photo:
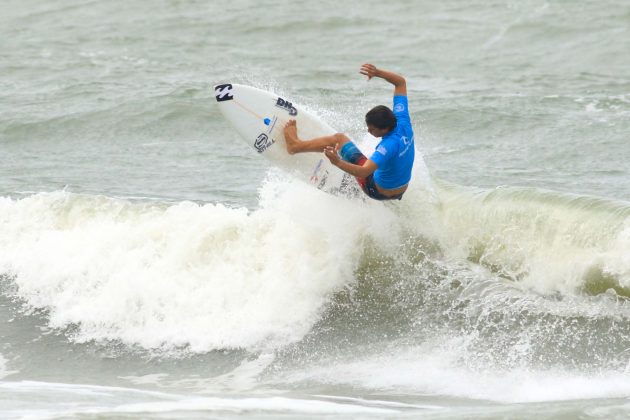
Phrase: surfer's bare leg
(317, 144)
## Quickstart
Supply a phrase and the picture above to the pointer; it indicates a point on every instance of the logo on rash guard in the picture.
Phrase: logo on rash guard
(407, 142)
(399, 108)
(382, 150)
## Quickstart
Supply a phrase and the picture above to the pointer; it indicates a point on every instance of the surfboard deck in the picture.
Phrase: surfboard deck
(259, 117)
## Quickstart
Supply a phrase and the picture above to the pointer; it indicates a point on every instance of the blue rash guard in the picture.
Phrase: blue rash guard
(395, 152)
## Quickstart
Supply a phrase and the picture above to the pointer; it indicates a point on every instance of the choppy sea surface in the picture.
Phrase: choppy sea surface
(151, 266)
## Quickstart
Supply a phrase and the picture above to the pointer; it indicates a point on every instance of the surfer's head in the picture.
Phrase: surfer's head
(380, 120)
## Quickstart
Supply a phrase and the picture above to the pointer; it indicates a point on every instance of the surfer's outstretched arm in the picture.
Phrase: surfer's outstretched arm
(399, 82)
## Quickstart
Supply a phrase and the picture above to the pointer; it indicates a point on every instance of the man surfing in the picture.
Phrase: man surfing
(386, 174)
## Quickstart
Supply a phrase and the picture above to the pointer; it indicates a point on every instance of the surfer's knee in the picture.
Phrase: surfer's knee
(341, 139)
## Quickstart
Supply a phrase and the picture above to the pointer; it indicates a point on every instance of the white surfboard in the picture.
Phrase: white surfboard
(259, 117)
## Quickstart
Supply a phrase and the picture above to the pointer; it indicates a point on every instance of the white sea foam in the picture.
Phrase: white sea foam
(240, 405)
(202, 276)
(209, 276)
(434, 370)
(59, 400)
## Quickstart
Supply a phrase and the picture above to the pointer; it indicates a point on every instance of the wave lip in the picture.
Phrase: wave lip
(548, 241)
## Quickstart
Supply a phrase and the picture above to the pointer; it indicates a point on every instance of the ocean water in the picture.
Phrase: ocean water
(151, 266)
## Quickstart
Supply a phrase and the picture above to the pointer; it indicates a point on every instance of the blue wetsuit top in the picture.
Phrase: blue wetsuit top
(395, 152)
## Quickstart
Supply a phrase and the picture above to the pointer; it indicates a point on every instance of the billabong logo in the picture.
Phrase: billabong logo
(263, 142)
(399, 108)
(281, 103)
(223, 93)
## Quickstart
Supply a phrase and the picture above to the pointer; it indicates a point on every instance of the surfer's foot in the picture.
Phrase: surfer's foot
(291, 137)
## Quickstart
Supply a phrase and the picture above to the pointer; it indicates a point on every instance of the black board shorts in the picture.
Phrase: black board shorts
(351, 153)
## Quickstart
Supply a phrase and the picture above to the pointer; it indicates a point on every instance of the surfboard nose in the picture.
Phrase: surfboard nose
(223, 92)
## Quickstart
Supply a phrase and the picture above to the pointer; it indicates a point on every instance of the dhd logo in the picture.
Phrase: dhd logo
(281, 103)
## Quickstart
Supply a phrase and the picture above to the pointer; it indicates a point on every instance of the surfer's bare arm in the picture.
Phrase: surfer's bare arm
(362, 171)
(399, 82)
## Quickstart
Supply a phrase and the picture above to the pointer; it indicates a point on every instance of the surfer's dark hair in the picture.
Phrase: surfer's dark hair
(381, 117)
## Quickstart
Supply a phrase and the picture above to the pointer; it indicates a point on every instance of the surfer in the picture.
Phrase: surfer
(386, 174)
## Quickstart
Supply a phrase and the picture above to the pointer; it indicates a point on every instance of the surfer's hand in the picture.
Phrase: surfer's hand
(369, 70)
(331, 154)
